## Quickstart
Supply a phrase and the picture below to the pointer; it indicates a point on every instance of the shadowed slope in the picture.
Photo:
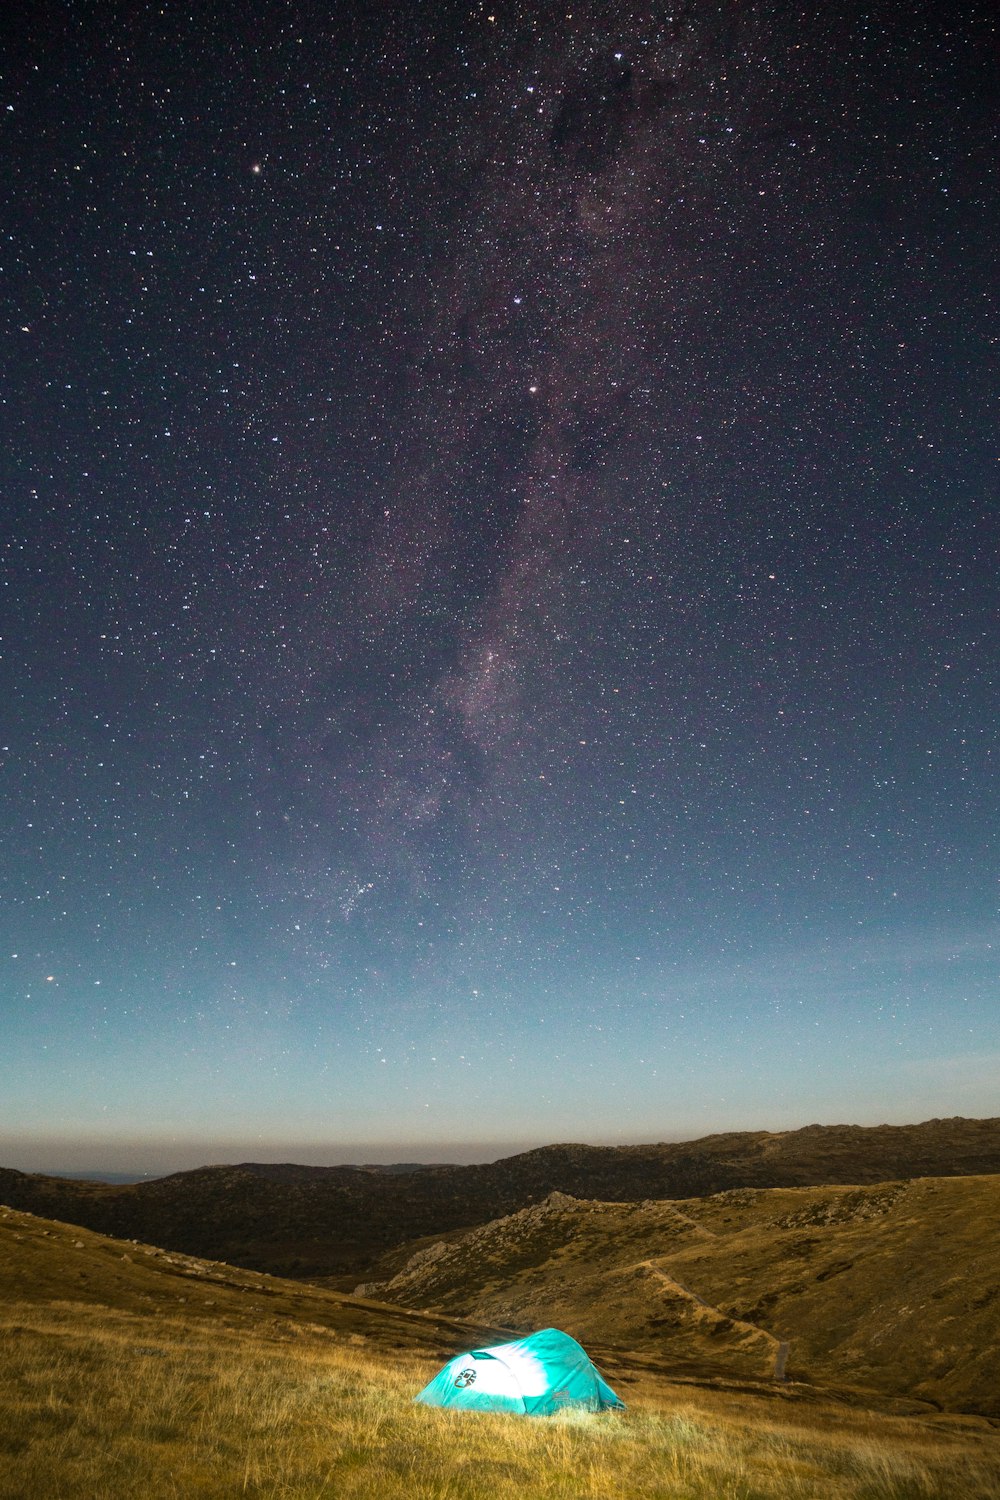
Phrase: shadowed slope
(43, 1261)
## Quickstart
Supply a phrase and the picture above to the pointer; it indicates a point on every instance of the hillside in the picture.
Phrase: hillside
(336, 1221)
(129, 1371)
(894, 1287)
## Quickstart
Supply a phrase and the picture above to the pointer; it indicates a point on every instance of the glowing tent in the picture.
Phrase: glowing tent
(534, 1377)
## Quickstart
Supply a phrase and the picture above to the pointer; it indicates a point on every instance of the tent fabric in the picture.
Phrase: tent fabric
(533, 1377)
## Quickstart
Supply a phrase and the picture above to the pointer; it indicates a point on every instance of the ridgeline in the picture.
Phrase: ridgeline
(335, 1222)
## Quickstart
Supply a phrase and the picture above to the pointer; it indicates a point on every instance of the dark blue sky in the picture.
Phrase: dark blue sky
(500, 519)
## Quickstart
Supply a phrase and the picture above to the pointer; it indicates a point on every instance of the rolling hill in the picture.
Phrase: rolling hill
(336, 1221)
(127, 1370)
(895, 1287)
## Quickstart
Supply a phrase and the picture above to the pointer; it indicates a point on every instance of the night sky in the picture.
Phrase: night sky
(499, 512)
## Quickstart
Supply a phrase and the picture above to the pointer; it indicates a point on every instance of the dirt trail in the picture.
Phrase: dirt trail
(780, 1346)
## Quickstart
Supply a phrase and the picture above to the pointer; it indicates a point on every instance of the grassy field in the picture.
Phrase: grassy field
(128, 1374)
(103, 1405)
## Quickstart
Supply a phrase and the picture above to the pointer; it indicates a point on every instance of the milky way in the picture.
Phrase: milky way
(502, 569)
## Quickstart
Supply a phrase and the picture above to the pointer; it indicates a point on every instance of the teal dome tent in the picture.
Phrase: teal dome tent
(533, 1377)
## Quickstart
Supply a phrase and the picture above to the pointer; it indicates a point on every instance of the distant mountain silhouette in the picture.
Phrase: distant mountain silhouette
(99, 1176)
(333, 1222)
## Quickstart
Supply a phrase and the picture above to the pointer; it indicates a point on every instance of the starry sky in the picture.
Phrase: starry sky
(499, 518)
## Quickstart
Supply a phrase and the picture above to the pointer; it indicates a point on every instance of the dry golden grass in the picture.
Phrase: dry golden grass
(126, 1374)
(100, 1404)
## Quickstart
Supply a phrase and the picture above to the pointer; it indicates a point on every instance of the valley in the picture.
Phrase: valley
(799, 1338)
(127, 1370)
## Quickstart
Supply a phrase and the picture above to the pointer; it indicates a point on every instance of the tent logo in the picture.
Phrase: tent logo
(466, 1377)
